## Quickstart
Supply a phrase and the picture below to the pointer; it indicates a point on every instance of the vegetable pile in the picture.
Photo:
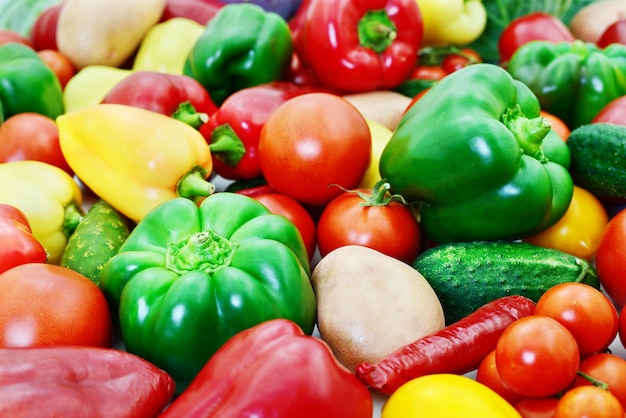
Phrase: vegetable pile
(384, 208)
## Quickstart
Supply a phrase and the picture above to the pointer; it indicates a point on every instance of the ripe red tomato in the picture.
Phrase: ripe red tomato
(454, 62)
(312, 142)
(536, 356)
(487, 374)
(355, 218)
(60, 64)
(31, 136)
(45, 304)
(43, 33)
(622, 328)
(537, 407)
(428, 72)
(585, 311)
(611, 259)
(614, 33)
(588, 401)
(607, 368)
(9, 36)
(613, 112)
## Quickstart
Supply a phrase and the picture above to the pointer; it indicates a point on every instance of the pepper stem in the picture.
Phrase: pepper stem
(185, 112)
(201, 251)
(226, 145)
(194, 185)
(528, 132)
(71, 219)
(376, 31)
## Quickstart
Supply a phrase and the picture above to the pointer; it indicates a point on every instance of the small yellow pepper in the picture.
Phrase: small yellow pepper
(166, 46)
(380, 136)
(133, 158)
(452, 22)
(48, 196)
(89, 86)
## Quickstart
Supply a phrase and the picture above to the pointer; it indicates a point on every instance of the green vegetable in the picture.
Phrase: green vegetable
(598, 153)
(96, 239)
(20, 15)
(472, 153)
(466, 276)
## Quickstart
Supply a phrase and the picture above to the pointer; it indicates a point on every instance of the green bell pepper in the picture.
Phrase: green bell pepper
(27, 84)
(241, 46)
(188, 278)
(573, 81)
(477, 160)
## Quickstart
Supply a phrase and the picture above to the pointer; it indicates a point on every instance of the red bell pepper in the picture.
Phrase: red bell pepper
(241, 117)
(199, 10)
(358, 46)
(273, 370)
(179, 96)
(68, 381)
(19, 246)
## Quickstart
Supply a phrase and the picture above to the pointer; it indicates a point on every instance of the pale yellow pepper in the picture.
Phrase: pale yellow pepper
(89, 86)
(452, 22)
(48, 196)
(380, 137)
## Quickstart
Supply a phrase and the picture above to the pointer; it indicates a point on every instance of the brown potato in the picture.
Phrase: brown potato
(383, 106)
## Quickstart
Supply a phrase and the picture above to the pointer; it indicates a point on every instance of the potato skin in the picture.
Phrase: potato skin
(369, 304)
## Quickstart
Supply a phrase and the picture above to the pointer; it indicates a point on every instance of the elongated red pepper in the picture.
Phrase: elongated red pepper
(358, 46)
(273, 370)
(67, 381)
(19, 246)
(458, 348)
(178, 96)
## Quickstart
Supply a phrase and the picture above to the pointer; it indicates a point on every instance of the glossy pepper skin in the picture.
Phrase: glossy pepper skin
(188, 278)
(273, 370)
(242, 46)
(359, 46)
(478, 159)
(572, 80)
(135, 158)
(73, 381)
(27, 84)
(19, 245)
(452, 22)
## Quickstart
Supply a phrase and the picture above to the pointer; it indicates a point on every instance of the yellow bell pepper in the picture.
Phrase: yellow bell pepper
(133, 158)
(446, 395)
(380, 136)
(89, 86)
(48, 196)
(452, 22)
(166, 46)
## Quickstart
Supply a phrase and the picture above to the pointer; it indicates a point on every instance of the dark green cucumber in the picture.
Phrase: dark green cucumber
(465, 276)
(97, 238)
(598, 159)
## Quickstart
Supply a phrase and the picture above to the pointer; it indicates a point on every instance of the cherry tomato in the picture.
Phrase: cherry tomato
(9, 36)
(558, 125)
(361, 217)
(45, 304)
(428, 72)
(622, 328)
(60, 64)
(290, 208)
(536, 356)
(588, 401)
(613, 112)
(611, 259)
(606, 368)
(614, 33)
(31, 136)
(537, 407)
(487, 374)
(454, 62)
(312, 142)
(585, 311)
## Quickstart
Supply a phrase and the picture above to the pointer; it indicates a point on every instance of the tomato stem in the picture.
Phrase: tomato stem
(594, 381)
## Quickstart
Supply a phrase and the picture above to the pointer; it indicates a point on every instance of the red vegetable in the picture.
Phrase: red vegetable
(43, 34)
(19, 246)
(614, 33)
(457, 348)
(200, 11)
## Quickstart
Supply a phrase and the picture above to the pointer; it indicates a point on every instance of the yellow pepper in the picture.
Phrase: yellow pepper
(380, 136)
(133, 158)
(446, 395)
(166, 46)
(89, 86)
(452, 22)
(48, 196)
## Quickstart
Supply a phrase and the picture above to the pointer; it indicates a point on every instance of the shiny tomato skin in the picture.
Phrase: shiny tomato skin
(588, 401)
(391, 229)
(428, 72)
(622, 328)
(311, 143)
(613, 112)
(611, 259)
(455, 62)
(32, 136)
(45, 304)
(607, 368)
(536, 356)
(537, 407)
(487, 374)
(614, 33)
(59, 63)
(43, 33)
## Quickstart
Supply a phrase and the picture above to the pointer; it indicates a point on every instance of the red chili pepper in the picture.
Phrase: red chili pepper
(179, 96)
(359, 46)
(19, 246)
(199, 10)
(458, 348)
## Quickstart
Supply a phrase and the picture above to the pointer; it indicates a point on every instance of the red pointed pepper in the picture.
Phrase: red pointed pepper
(359, 46)
(19, 246)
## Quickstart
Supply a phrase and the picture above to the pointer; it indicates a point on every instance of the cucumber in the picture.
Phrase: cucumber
(598, 159)
(466, 276)
(97, 238)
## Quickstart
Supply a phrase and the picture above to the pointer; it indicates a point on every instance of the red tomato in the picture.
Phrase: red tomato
(44, 304)
(9, 36)
(622, 328)
(536, 356)
(558, 125)
(537, 407)
(350, 219)
(611, 259)
(488, 375)
(428, 72)
(588, 401)
(607, 368)
(31, 136)
(312, 142)
(290, 208)
(613, 112)
(43, 33)
(531, 27)
(584, 310)
(59, 64)
(454, 62)
(614, 33)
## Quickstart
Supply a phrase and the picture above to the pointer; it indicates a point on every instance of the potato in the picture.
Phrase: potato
(590, 22)
(105, 32)
(383, 106)
(370, 304)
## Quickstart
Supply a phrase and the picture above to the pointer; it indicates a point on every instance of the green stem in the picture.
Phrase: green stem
(593, 380)
(528, 132)
(201, 251)
(187, 113)
(72, 217)
(376, 31)
(226, 145)
(194, 185)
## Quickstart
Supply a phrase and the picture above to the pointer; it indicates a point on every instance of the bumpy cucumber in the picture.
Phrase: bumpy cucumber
(466, 276)
(97, 238)
(598, 159)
